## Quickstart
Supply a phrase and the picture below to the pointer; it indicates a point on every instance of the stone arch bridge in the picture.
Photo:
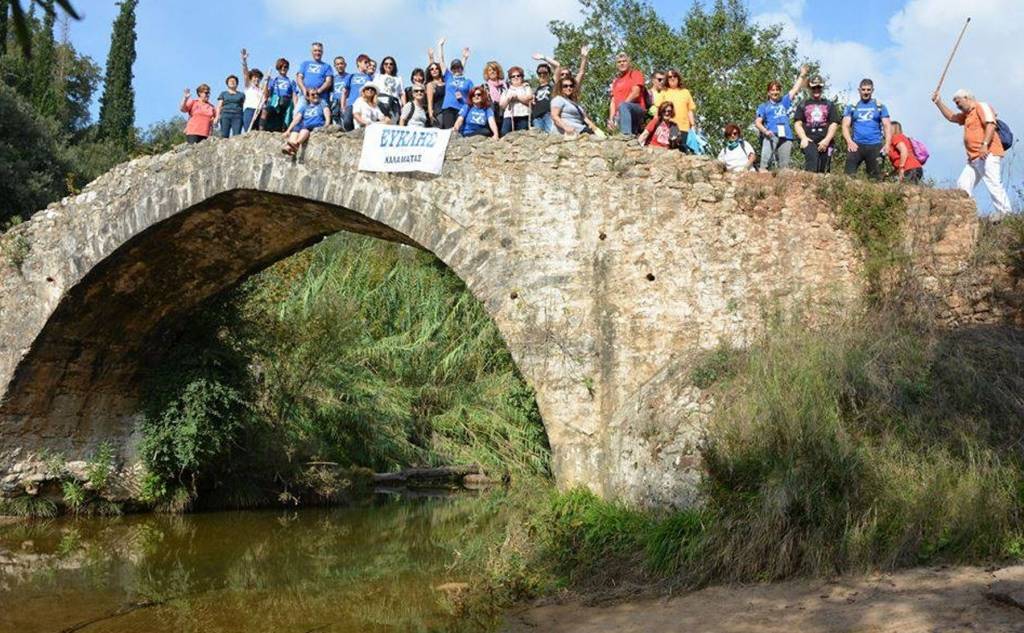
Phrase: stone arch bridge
(606, 267)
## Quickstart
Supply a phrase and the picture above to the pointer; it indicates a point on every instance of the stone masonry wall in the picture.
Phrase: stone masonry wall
(606, 266)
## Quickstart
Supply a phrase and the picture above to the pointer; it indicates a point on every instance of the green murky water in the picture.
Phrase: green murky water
(367, 569)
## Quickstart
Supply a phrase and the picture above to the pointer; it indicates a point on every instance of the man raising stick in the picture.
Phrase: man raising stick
(984, 149)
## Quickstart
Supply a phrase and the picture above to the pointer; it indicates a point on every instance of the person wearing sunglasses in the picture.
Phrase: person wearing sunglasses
(737, 154)
(314, 114)
(435, 91)
(366, 111)
(657, 89)
(568, 115)
(661, 131)
(415, 112)
(515, 102)
(540, 110)
(281, 100)
(476, 118)
(200, 114)
(392, 89)
(494, 79)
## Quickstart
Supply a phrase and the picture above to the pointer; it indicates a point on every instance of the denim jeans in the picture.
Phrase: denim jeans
(230, 124)
(631, 117)
(544, 123)
(509, 124)
(247, 123)
(775, 151)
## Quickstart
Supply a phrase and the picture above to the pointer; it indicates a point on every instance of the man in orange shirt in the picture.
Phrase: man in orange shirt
(984, 149)
(628, 106)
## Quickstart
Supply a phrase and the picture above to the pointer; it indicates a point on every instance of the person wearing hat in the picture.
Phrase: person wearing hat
(365, 110)
(456, 92)
(816, 123)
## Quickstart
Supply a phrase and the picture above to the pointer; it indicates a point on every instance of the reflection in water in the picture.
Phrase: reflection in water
(332, 570)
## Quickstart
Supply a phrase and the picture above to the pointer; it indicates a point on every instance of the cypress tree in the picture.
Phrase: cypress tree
(44, 91)
(117, 105)
(5, 9)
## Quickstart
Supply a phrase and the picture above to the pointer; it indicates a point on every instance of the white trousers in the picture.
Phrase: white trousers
(986, 170)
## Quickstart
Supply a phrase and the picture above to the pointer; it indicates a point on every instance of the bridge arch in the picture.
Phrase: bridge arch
(601, 267)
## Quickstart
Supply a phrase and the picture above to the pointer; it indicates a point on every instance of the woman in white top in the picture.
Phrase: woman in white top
(365, 110)
(253, 94)
(737, 154)
(567, 115)
(414, 112)
(515, 101)
(391, 96)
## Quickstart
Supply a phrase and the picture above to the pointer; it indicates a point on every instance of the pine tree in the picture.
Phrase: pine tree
(45, 95)
(117, 105)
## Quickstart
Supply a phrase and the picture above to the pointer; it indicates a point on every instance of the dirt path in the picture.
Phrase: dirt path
(932, 600)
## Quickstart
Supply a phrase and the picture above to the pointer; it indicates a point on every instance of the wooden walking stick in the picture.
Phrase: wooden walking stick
(950, 60)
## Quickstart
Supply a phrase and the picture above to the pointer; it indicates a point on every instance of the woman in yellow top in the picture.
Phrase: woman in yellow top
(677, 94)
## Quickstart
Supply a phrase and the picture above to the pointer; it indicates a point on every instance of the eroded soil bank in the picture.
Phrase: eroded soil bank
(926, 600)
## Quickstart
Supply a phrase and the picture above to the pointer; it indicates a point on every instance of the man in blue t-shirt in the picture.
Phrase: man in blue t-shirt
(456, 91)
(867, 132)
(354, 83)
(315, 74)
(338, 87)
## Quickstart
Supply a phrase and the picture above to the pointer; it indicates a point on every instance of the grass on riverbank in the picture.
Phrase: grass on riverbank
(877, 443)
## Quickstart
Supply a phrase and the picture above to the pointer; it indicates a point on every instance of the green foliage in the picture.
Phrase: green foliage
(356, 352)
(872, 444)
(14, 246)
(117, 105)
(874, 214)
(22, 23)
(100, 467)
(713, 366)
(28, 507)
(724, 58)
(32, 162)
(163, 136)
(74, 495)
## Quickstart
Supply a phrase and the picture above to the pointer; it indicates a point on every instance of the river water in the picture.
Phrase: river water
(382, 567)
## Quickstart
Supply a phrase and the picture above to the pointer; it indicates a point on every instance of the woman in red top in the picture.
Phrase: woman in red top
(901, 153)
(200, 114)
(661, 131)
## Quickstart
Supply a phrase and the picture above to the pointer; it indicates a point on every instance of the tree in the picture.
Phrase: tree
(32, 162)
(724, 58)
(21, 21)
(117, 105)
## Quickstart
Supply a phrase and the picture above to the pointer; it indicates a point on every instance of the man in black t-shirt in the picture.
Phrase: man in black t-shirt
(816, 123)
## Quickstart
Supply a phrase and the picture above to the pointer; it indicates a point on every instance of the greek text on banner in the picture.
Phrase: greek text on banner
(395, 148)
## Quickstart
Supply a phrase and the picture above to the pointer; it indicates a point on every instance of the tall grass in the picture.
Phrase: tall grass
(359, 352)
(874, 443)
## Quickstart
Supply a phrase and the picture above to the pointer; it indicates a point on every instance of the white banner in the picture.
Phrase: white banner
(395, 148)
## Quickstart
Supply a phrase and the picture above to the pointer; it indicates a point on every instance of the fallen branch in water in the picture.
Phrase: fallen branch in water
(441, 474)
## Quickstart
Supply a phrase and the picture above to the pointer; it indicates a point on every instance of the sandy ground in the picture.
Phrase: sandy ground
(928, 600)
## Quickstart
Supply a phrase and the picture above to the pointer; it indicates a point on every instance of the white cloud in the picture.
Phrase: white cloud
(906, 69)
(507, 30)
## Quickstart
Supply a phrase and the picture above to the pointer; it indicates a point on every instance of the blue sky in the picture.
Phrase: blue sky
(902, 44)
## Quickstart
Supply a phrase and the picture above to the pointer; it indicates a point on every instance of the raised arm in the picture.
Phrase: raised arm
(943, 108)
(550, 61)
(584, 54)
(800, 82)
(184, 101)
(245, 68)
(465, 56)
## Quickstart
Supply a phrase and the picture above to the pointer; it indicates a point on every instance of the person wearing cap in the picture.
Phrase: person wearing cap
(816, 123)
(985, 150)
(868, 132)
(352, 92)
(366, 111)
(456, 94)
(772, 121)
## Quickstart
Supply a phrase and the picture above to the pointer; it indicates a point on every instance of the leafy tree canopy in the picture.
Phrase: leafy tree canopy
(725, 59)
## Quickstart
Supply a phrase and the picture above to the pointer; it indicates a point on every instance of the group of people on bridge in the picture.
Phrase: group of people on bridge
(661, 114)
